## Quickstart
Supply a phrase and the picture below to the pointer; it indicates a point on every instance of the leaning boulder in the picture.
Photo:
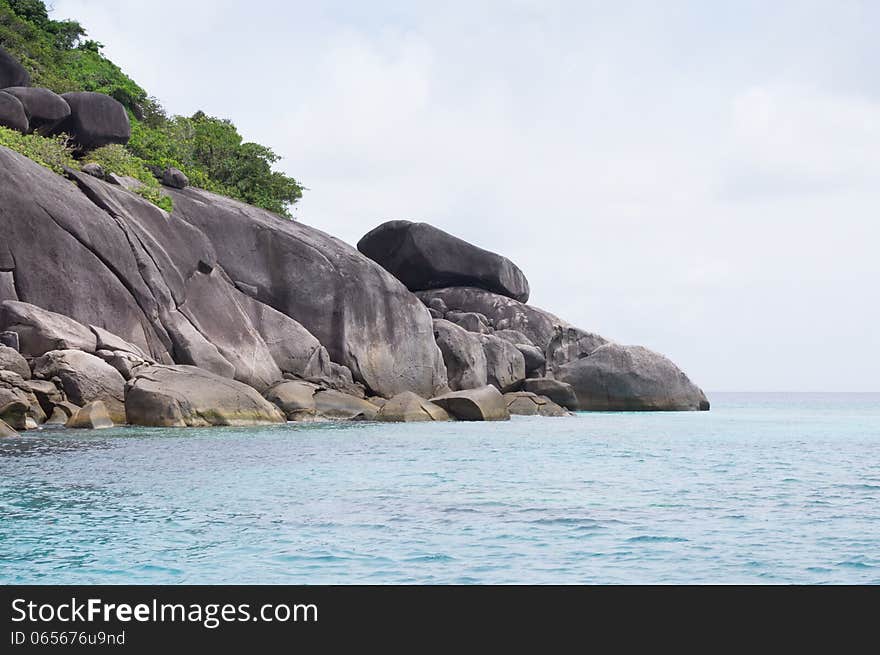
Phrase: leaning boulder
(407, 407)
(505, 364)
(11, 360)
(424, 257)
(40, 331)
(85, 378)
(463, 354)
(12, 113)
(45, 109)
(186, 396)
(630, 378)
(559, 392)
(336, 405)
(95, 120)
(295, 398)
(94, 416)
(483, 404)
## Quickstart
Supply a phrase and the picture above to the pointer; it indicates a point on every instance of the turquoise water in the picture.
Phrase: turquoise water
(768, 488)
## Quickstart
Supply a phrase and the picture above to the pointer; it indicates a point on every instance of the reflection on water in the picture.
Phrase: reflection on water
(761, 489)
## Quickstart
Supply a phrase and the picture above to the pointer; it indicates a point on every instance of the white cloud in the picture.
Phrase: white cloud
(699, 179)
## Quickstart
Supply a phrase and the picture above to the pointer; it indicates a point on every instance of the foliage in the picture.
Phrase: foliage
(209, 150)
(118, 160)
(54, 152)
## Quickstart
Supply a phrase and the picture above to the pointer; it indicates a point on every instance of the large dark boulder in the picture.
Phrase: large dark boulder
(424, 257)
(12, 73)
(630, 378)
(366, 318)
(185, 396)
(463, 354)
(12, 113)
(95, 120)
(45, 110)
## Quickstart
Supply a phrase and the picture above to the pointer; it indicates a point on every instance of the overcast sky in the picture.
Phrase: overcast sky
(702, 178)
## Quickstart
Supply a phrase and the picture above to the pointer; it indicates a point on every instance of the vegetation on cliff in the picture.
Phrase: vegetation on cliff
(209, 150)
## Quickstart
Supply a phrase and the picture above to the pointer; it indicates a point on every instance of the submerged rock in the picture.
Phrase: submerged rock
(407, 407)
(186, 396)
(483, 404)
(425, 257)
(630, 378)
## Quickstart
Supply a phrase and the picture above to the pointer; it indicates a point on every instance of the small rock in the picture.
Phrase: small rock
(93, 416)
(59, 417)
(10, 340)
(175, 178)
(95, 170)
(15, 414)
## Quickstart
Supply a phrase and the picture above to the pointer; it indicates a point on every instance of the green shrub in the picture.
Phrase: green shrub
(118, 160)
(52, 152)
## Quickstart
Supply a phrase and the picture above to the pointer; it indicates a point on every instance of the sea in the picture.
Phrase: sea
(767, 488)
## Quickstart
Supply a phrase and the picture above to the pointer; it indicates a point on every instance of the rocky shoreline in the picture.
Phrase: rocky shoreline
(114, 311)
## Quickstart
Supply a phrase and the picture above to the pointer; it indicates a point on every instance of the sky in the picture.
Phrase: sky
(701, 178)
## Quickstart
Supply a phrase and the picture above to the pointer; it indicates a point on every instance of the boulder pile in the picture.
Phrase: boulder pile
(224, 314)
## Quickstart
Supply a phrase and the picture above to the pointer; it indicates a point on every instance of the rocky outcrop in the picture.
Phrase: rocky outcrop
(424, 257)
(84, 378)
(45, 110)
(407, 407)
(95, 120)
(482, 404)
(12, 73)
(186, 396)
(463, 355)
(12, 113)
(630, 378)
(362, 315)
